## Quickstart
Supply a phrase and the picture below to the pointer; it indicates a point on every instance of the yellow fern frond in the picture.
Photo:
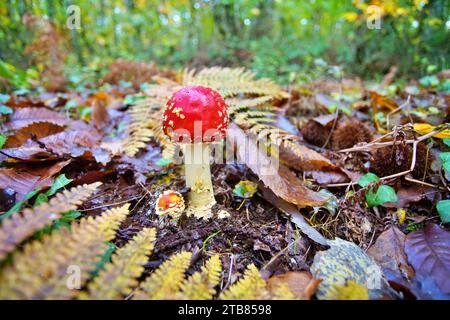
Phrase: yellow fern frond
(19, 226)
(166, 281)
(232, 81)
(248, 102)
(250, 287)
(146, 123)
(57, 266)
(282, 292)
(118, 277)
(200, 286)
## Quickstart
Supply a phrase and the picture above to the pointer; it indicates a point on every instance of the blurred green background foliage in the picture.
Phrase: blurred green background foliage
(283, 39)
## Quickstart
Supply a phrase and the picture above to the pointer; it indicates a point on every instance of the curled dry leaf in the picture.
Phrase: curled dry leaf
(73, 143)
(302, 284)
(24, 181)
(36, 129)
(283, 182)
(428, 252)
(26, 116)
(389, 252)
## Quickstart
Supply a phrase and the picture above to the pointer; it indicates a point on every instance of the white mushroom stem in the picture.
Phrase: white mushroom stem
(198, 175)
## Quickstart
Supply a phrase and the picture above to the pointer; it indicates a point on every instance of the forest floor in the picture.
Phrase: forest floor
(377, 152)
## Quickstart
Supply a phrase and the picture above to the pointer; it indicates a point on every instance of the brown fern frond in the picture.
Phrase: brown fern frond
(118, 277)
(166, 281)
(19, 226)
(62, 262)
(232, 81)
(200, 286)
(250, 287)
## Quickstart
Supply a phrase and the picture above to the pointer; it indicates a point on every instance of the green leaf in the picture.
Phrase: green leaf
(245, 189)
(2, 140)
(20, 204)
(446, 141)
(444, 156)
(443, 208)
(367, 179)
(5, 110)
(106, 257)
(163, 162)
(41, 198)
(446, 166)
(384, 194)
(60, 182)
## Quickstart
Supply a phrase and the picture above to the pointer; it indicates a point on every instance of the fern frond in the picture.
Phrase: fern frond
(166, 281)
(282, 292)
(250, 287)
(119, 276)
(248, 102)
(19, 226)
(146, 124)
(232, 81)
(43, 269)
(200, 286)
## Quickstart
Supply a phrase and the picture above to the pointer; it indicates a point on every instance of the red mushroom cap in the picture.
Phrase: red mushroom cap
(195, 114)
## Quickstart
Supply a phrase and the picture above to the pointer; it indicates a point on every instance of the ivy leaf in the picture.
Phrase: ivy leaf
(443, 208)
(382, 195)
(367, 179)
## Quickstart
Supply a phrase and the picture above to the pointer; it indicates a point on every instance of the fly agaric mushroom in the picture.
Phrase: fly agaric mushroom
(170, 203)
(196, 116)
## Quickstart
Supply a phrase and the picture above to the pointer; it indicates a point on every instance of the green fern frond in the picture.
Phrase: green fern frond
(119, 276)
(166, 281)
(250, 287)
(43, 269)
(20, 226)
(200, 286)
(232, 81)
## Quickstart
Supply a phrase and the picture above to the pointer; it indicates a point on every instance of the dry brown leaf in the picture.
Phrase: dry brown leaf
(73, 143)
(389, 252)
(25, 181)
(37, 129)
(302, 284)
(26, 116)
(283, 182)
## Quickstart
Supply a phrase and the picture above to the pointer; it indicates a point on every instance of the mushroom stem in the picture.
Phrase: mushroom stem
(198, 175)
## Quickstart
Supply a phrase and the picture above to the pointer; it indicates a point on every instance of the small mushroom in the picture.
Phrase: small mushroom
(170, 203)
(195, 117)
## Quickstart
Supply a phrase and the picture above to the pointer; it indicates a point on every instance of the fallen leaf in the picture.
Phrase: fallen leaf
(425, 128)
(25, 181)
(26, 116)
(389, 252)
(407, 196)
(428, 252)
(292, 211)
(345, 261)
(37, 129)
(302, 284)
(283, 182)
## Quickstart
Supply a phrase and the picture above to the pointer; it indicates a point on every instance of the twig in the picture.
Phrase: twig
(376, 145)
